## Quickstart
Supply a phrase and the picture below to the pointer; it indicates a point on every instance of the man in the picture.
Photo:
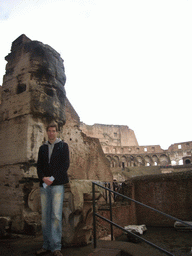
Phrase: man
(52, 166)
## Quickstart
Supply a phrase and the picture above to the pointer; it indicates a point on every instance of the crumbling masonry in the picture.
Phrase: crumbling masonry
(33, 94)
(121, 148)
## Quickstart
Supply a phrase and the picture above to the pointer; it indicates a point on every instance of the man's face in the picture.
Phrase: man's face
(52, 134)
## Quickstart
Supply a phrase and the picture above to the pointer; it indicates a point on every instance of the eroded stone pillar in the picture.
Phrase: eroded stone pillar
(33, 94)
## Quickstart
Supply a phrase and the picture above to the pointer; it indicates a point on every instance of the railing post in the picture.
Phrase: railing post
(106, 192)
(94, 217)
(123, 192)
(112, 223)
(111, 216)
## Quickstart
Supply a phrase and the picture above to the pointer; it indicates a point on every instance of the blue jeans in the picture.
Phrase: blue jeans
(51, 207)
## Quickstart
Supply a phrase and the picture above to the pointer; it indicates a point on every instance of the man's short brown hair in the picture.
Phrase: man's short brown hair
(52, 124)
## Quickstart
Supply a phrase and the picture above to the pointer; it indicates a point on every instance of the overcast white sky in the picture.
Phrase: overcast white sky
(127, 62)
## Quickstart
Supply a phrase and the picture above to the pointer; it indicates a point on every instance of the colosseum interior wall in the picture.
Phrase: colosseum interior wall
(32, 95)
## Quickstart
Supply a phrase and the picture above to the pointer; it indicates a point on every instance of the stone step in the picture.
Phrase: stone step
(106, 252)
(182, 227)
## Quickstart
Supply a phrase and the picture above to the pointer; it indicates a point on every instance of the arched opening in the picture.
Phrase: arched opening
(155, 160)
(110, 161)
(21, 88)
(116, 161)
(123, 162)
(140, 161)
(148, 161)
(181, 162)
(187, 161)
(164, 160)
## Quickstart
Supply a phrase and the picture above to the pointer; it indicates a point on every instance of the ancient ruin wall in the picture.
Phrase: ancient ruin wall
(111, 136)
(32, 95)
(168, 193)
(122, 149)
(87, 158)
(177, 154)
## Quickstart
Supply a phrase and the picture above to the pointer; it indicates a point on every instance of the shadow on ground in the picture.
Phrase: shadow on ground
(178, 243)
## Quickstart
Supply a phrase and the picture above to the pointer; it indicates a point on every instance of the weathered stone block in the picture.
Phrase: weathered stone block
(21, 138)
(34, 81)
(5, 225)
(33, 94)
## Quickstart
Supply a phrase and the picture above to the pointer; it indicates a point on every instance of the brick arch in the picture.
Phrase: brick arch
(139, 161)
(110, 160)
(123, 161)
(187, 161)
(148, 160)
(155, 160)
(116, 161)
(164, 160)
(130, 160)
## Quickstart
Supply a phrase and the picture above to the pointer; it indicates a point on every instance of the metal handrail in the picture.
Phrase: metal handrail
(114, 224)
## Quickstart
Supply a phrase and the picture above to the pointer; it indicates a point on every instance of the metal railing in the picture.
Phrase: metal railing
(107, 188)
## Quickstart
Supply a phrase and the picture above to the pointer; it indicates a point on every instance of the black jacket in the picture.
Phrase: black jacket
(58, 166)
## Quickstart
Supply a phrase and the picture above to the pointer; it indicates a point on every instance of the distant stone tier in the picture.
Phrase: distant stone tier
(111, 135)
(121, 148)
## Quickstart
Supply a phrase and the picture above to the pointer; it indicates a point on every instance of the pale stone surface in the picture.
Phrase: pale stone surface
(106, 238)
(88, 161)
(182, 227)
(34, 200)
(21, 138)
(78, 214)
(111, 135)
(138, 229)
(121, 148)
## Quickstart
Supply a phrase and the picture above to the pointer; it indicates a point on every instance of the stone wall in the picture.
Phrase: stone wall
(111, 136)
(123, 215)
(87, 158)
(121, 148)
(33, 94)
(168, 193)
(177, 154)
